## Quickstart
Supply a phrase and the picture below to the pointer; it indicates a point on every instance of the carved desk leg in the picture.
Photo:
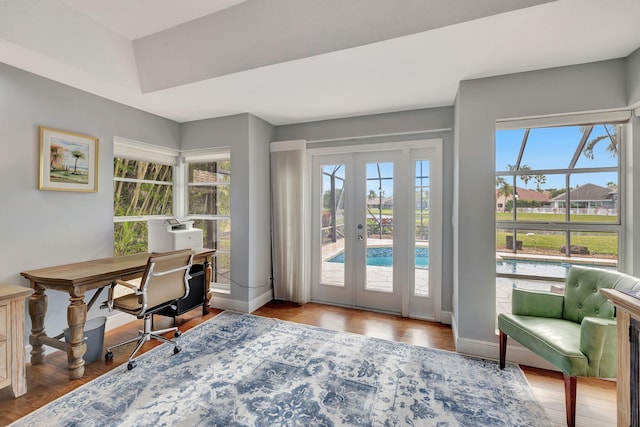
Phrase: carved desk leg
(76, 317)
(37, 311)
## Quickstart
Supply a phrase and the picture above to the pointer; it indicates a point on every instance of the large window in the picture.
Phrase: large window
(141, 190)
(209, 205)
(557, 203)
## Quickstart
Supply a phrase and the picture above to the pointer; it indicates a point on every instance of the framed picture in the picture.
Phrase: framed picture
(68, 161)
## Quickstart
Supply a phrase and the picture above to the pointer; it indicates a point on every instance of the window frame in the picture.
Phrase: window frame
(513, 225)
(205, 156)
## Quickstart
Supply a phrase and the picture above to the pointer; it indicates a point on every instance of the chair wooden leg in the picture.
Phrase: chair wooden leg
(503, 349)
(570, 384)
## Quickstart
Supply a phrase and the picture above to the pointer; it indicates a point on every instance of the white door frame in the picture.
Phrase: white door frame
(431, 149)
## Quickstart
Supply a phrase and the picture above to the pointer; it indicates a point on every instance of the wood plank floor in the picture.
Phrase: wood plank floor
(596, 405)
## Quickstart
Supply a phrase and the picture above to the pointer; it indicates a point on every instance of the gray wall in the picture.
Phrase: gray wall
(248, 138)
(633, 78)
(391, 127)
(44, 228)
(479, 104)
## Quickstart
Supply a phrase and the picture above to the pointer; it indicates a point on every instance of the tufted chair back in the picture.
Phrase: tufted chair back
(582, 297)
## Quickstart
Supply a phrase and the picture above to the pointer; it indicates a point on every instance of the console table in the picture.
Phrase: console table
(627, 314)
(76, 279)
(12, 366)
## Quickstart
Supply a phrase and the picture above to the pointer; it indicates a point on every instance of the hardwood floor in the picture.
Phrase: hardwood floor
(596, 404)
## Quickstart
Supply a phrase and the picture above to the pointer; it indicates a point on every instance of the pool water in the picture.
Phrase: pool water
(383, 257)
(532, 268)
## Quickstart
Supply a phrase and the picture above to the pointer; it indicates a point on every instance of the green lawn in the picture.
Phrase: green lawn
(598, 244)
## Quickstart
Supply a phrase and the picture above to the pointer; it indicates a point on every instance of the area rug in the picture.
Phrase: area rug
(243, 370)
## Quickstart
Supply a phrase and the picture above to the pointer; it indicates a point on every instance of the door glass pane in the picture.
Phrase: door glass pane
(379, 194)
(422, 206)
(332, 225)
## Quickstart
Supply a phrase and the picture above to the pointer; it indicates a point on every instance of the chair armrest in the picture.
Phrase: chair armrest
(126, 284)
(598, 342)
(537, 303)
(110, 296)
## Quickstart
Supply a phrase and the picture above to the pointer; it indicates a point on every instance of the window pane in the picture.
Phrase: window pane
(129, 237)
(541, 242)
(136, 169)
(210, 200)
(595, 244)
(216, 234)
(594, 197)
(561, 141)
(421, 265)
(332, 229)
(137, 198)
(601, 149)
(508, 143)
(210, 171)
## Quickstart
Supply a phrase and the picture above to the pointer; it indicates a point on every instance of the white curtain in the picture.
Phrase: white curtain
(288, 221)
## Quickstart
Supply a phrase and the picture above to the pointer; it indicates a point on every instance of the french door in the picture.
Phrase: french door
(373, 226)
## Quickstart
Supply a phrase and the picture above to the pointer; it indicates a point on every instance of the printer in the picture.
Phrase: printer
(173, 234)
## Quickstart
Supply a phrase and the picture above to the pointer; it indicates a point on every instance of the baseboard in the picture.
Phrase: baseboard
(490, 350)
(446, 317)
(222, 302)
(118, 320)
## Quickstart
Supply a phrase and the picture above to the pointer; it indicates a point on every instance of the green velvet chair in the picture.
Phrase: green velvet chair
(575, 332)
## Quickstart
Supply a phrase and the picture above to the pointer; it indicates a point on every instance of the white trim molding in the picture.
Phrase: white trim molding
(221, 302)
(619, 116)
(136, 150)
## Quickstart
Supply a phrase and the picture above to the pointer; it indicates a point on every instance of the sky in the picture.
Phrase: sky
(553, 148)
(386, 171)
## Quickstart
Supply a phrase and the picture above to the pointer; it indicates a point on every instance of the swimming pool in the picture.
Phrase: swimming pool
(383, 257)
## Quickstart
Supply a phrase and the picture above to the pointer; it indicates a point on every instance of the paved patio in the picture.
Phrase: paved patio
(381, 278)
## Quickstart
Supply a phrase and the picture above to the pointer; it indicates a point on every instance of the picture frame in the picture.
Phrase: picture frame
(68, 161)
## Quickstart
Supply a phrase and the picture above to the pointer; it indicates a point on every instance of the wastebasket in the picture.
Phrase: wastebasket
(93, 337)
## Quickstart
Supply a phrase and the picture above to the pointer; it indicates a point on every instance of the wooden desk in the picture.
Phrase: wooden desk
(77, 279)
(627, 308)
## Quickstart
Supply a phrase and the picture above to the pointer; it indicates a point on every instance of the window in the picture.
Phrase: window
(143, 188)
(557, 203)
(209, 205)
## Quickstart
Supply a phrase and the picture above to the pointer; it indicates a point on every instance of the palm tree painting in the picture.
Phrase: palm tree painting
(77, 154)
(70, 163)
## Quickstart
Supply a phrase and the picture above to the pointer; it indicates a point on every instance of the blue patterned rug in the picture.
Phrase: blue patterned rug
(244, 370)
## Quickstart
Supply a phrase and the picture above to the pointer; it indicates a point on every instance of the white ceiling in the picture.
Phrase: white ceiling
(138, 18)
(87, 44)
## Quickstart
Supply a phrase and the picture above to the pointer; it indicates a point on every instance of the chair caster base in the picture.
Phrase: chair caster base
(108, 355)
(132, 365)
(176, 350)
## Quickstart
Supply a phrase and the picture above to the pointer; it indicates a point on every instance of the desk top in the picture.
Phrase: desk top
(95, 272)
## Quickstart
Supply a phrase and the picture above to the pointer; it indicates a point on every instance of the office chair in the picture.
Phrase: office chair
(165, 280)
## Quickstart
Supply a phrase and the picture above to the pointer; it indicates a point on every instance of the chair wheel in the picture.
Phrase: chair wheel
(132, 365)
(177, 334)
(176, 350)
(108, 355)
